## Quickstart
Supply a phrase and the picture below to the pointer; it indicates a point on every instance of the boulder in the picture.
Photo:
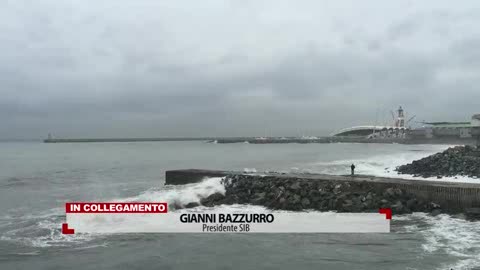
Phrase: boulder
(300, 194)
(460, 160)
(212, 200)
(305, 203)
(192, 205)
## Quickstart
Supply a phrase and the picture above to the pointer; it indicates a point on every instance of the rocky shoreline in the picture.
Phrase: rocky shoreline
(455, 161)
(298, 194)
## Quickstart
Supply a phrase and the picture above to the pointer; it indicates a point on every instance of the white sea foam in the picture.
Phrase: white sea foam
(445, 234)
(455, 236)
(249, 170)
(42, 229)
(48, 226)
(381, 165)
(181, 195)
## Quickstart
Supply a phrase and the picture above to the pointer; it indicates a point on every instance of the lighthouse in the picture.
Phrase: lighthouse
(400, 121)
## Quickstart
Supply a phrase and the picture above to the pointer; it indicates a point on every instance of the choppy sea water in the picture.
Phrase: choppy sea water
(36, 180)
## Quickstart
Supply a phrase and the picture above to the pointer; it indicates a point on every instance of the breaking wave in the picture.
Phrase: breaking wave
(444, 234)
(42, 229)
(379, 165)
(181, 195)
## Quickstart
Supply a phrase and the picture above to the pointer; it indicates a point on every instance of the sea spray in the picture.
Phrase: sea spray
(179, 196)
(447, 235)
(42, 229)
(381, 165)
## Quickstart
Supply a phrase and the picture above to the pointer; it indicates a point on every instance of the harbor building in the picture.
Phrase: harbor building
(398, 128)
(457, 130)
(440, 132)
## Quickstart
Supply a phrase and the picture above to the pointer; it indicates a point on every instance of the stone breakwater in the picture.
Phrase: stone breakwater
(460, 160)
(298, 194)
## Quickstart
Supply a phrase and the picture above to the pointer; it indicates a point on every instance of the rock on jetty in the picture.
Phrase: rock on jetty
(460, 160)
(299, 194)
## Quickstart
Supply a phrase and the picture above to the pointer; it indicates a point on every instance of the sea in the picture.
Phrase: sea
(36, 179)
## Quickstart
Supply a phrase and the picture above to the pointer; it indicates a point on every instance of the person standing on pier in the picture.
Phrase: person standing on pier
(353, 169)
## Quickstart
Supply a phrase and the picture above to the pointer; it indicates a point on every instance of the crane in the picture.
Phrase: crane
(411, 118)
(393, 117)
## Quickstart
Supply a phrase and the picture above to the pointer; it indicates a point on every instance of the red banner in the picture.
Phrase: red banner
(102, 207)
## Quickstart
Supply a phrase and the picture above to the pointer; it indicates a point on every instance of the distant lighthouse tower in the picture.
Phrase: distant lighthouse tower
(400, 122)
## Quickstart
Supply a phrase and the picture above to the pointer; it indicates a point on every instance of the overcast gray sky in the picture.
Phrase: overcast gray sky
(116, 68)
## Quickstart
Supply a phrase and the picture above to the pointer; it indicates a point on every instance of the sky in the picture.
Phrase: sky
(155, 68)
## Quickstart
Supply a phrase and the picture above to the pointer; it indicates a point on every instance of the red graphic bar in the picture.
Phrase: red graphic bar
(103, 207)
(387, 212)
(66, 230)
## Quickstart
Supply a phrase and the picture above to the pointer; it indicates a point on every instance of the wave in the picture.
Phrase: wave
(42, 229)
(444, 234)
(180, 195)
(441, 234)
(380, 165)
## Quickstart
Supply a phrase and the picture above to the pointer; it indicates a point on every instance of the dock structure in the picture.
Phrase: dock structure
(270, 140)
(452, 196)
(50, 139)
(252, 140)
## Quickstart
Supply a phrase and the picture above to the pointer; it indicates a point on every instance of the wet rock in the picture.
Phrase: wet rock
(259, 198)
(411, 204)
(433, 205)
(389, 192)
(305, 202)
(472, 214)
(295, 199)
(436, 212)
(192, 205)
(300, 194)
(398, 208)
(295, 186)
(212, 200)
(460, 160)
(175, 205)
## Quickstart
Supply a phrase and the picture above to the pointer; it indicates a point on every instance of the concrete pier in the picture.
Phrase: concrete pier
(333, 139)
(453, 197)
(182, 177)
(98, 140)
(271, 140)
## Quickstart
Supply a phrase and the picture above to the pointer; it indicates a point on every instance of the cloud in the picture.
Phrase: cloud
(231, 68)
